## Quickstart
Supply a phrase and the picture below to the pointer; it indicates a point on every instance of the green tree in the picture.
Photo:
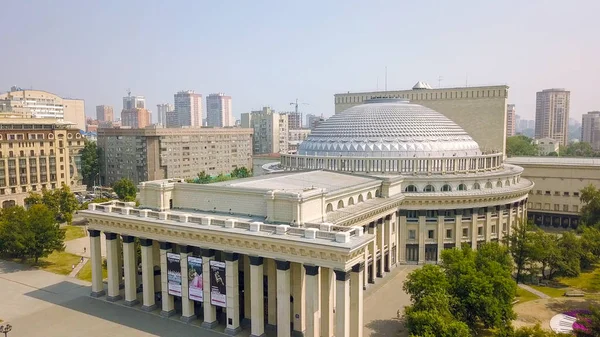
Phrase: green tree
(61, 202)
(90, 162)
(590, 245)
(590, 212)
(241, 172)
(579, 149)
(14, 234)
(203, 178)
(125, 189)
(520, 146)
(46, 235)
(520, 246)
(545, 252)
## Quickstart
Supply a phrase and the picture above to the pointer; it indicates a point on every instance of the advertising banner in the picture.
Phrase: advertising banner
(174, 274)
(218, 294)
(195, 278)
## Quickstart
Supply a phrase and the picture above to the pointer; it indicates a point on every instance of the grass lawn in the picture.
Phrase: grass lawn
(86, 272)
(551, 291)
(586, 281)
(73, 232)
(57, 262)
(524, 295)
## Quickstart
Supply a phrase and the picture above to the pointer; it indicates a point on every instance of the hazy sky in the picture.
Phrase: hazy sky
(271, 52)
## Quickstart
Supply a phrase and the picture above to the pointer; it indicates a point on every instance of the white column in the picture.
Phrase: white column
(441, 234)
(421, 234)
(168, 301)
(458, 230)
(112, 266)
(312, 301)
(257, 312)
(366, 276)
(245, 261)
(120, 260)
(272, 293)
(488, 225)
(148, 275)
(283, 299)
(381, 246)
(187, 305)
(210, 311)
(233, 293)
(373, 252)
(130, 271)
(342, 303)
(327, 298)
(96, 261)
(356, 300)
(298, 291)
(474, 225)
(402, 233)
(388, 234)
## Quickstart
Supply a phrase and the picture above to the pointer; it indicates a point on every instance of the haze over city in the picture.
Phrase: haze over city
(270, 53)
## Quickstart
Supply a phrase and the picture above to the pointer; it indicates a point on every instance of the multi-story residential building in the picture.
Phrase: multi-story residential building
(104, 113)
(294, 120)
(511, 120)
(37, 154)
(552, 115)
(270, 130)
(590, 129)
(481, 111)
(136, 117)
(42, 104)
(295, 137)
(133, 102)
(188, 109)
(162, 110)
(218, 110)
(161, 153)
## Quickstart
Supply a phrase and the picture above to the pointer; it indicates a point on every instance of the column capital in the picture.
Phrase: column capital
(311, 270)
(341, 275)
(165, 245)
(357, 268)
(256, 260)
(388, 217)
(282, 265)
(94, 233)
(208, 252)
(127, 238)
(185, 249)
(110, 236)
(372, 224)
(146, 242)
(229, 256)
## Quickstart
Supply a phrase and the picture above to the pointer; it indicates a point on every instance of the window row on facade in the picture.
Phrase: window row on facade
(426, 95)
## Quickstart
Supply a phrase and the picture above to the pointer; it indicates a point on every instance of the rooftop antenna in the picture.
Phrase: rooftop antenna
(128, 92)
(466, 79)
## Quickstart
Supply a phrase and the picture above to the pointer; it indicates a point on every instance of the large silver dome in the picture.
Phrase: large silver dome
(389, 128)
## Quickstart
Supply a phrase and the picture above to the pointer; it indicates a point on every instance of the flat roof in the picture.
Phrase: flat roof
(562, 161)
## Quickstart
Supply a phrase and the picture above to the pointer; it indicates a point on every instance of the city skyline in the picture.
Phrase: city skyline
(337, 49)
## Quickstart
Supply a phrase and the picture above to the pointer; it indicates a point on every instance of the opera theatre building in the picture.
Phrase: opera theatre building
(290, 253)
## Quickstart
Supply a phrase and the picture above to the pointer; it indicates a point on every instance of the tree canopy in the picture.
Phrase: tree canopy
(125, 189)
(60, 201)
(90, 162)
(520, 146)
(590, 212)
(204, 178)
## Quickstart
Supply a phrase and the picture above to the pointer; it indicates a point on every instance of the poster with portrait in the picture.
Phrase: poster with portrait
(218, 295)
(195, 278)
(174, 274)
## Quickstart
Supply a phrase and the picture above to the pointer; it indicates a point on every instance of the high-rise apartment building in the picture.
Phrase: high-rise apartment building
(162, 110)
(218, 110)
(188, 108)
(480, 111)
(104, 113)
(136, 118)
(162, 153)
(294, 120)
(590, 129)
(312, 121)
(552, 115)
(37, 154)
(42, 104)
(133, 102)
(511, 120)
(270, 130)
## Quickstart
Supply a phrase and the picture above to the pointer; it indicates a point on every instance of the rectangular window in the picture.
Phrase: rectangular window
(556, 207)
(556, 193)
(565, 208)
(566, 194)
(448, 234)
(575, 208)
(465, 232)
(412, 234)
(576, 194)
(547, 193)
(431, 234)
(493, 229)
(480, 231)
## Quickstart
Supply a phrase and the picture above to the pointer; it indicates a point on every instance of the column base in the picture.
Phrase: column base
(380, 275)
(297, 333)
(233, 332)
(187, 319)
(261, 335)
(387, 269)
(149, 307)
(209, 325)
(131, 303)
(167, 313)
(113, 298)
(97, 294)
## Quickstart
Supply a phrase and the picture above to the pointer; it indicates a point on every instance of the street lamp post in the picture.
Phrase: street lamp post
(5, 329)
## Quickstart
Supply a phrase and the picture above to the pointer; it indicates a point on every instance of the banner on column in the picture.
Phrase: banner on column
(195, 278)
(218, 294)
(174, 274)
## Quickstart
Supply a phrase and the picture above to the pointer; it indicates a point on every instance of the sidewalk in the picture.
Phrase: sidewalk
(533, 291)
(78, 267)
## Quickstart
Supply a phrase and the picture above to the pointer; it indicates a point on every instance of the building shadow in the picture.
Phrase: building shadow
(387, 328)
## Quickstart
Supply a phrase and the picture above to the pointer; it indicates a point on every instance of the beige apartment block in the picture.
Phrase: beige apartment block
(158, 153)
(270, 130)
(554, 201)
(37, 154)
(480, 111)
(511, 120)
(552, 114)
(590, 129)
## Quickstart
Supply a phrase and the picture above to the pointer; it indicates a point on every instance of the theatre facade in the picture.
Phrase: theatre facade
(292, 252)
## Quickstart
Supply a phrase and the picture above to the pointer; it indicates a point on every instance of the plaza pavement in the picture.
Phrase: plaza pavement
(39, 303)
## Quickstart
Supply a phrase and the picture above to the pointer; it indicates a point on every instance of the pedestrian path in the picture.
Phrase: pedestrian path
(78, 267)
(533, 291)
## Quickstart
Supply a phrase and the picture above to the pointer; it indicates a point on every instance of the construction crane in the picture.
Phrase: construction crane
(295, 104)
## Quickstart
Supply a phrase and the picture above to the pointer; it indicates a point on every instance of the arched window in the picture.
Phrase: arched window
(360, 198)
(446, 188)
(499, 184)
(507, 183)
(410, 188)
(514, 180)
(340, 204)
(476, 186)
(488, 185)
(429, 188)
(462, 187)
(351, 201)
(8, 203)
(329, 208)
(369, 196)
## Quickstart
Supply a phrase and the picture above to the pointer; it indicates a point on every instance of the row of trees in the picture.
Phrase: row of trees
(524, 146)
(237, 173)
(61, 202)
(90, 162)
